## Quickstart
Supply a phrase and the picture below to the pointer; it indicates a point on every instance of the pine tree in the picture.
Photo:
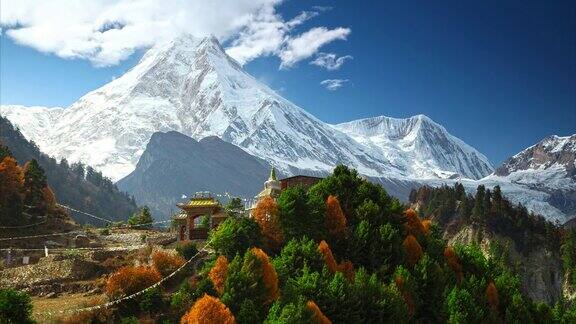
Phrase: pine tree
(146, 217)
(497, 199)
(143, 217)
(78, 169)
(235, 207)
(478, 210)
(4, 152)
(413, 195)
(34, 184)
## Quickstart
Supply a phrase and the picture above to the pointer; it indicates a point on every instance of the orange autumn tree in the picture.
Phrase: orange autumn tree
(166, 263)
(49, 197)
(318, 317)
(269, 275)
(266, 215)
(208, 310)
(492, 296)
(129, 280)
(11, 173)
(328, 256)
(427, 224)
(413, 249)
(413, 223)
(11, 179)
(346, 267)
(218, 274)
(453, 262)
(335, 220)
(11, 190)
(406, 295)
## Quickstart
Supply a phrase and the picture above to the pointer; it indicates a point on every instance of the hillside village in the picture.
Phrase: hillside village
(147, 270)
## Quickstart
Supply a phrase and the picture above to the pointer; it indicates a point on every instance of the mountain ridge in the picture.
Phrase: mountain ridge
(174, 164)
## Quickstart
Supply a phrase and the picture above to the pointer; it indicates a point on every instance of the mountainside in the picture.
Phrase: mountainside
(547, 167)
(191, 86)
(174, 164)
(76, 186)
(484, 217)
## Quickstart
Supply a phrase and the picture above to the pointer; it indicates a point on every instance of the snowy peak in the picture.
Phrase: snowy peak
(437, 154)
(192, 86)
(392, 128)
(552, 152)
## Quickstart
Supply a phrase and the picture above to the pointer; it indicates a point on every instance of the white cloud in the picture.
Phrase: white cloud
(334, 84)
(330, 61)
(308, 43)
(108, 31)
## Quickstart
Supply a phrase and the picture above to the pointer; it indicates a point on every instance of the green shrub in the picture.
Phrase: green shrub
(151, 300)
(187, 250)
(235, 236)
(15, 307)
(182, 299)
(129, 320)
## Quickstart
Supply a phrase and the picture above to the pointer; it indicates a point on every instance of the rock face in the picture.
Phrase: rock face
(192, 86)
(547, 167)
(550, 153)
(540, 270)
(174, 164)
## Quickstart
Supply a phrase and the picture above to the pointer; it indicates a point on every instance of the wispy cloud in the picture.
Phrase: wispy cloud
(334, 84)
(330, 61)
(268, 34)
(107, 32)
(308, 43)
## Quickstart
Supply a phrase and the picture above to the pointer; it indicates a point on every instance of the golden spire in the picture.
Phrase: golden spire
(272, 175)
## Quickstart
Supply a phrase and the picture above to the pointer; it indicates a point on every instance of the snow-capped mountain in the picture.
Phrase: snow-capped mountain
(191, 86)
(553, 157)
(418, 146)
(548, 167)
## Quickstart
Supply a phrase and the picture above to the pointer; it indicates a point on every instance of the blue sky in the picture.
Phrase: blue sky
(500, 75)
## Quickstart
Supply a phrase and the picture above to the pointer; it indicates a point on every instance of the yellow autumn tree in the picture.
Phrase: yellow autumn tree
(266, 215)
(413, 249)
(208, 310)
(218, 274)
(269, 274)
(335, 220)
(318, 317)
